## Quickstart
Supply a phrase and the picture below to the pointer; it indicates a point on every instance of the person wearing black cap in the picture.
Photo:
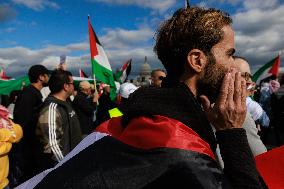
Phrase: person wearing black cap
(26, 111)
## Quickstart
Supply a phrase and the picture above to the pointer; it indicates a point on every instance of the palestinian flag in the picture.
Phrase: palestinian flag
(7, 86)
(101, 68)
(82, 74)
(267, 70)
(122, 74)
(124, 159)
(3, 75)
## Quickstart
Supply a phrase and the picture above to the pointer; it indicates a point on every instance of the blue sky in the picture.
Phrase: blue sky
(39, 31)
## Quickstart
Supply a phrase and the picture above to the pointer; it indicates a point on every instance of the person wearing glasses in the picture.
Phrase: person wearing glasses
(255, 114)
(58, 129)
(157, 77)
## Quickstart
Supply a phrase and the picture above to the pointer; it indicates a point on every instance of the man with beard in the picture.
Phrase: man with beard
(26, 111)
(58, 129)
(164, 138)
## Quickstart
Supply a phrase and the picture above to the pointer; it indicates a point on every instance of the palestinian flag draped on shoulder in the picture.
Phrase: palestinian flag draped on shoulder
(122, 74)
(267, 70)
(101, 68)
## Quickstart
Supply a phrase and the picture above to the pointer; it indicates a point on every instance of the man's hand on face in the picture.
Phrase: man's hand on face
(229, 111)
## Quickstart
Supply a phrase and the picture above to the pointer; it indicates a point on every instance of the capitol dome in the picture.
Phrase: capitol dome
(145, 69)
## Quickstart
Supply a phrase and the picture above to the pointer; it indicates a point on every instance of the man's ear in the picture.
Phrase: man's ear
(196, 60)
(65, 87)
(41, 78)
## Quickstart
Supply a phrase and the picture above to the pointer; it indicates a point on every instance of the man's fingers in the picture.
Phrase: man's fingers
(244, 93)
(238, 89)
(221, 100)
(231, 90)
(205, 102)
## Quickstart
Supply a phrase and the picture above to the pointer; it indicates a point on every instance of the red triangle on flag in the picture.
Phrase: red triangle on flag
(275, 67)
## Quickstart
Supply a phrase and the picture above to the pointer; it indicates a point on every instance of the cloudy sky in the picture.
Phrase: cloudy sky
(39, 31)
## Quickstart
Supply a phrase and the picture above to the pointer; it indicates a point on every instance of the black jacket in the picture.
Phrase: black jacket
(57, 132)
(84, 108)
(22, 155)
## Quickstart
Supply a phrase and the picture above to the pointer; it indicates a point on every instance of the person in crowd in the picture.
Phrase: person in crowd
(105, 104)
(164, 138)
(26, 111)
(84, 104)
(157, 77)
(277, 106)
(268, 86)
(255, 110)
(255, 114)
(9, 133)
(12, 100)
(123, 94)
(58, 129)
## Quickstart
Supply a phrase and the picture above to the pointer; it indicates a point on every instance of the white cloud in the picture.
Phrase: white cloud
(19, 59)
(121, 38)
(37, 5)
(260, 4)
(6, 62)
(259, 31)
(119, 44)
(159, 5)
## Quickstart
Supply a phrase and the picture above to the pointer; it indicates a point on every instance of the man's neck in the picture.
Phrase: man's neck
(191, 83)
(38, 86)
(60, 96)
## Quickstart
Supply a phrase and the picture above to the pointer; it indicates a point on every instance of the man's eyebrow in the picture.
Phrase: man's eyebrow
(231, 51)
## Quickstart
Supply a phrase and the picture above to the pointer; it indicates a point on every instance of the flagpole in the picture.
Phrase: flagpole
(94, 76)
(186, 4)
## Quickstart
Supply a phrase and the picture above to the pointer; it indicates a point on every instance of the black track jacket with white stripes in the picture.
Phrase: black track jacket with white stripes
(57, 132)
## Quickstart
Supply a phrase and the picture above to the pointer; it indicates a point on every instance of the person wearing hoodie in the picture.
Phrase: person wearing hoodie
(58, 129)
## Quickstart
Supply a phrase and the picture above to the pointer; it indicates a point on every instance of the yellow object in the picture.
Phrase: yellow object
(7, 137)
(115, 112)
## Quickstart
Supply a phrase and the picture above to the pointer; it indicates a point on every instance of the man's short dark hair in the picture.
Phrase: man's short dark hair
(35, 71)
(57, 80)
(187, 29)
(156, 70)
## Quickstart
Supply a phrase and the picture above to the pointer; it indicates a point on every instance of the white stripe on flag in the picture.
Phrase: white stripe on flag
(101, 58)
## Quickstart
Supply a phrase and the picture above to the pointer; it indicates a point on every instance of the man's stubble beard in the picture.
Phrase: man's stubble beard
(211, 79)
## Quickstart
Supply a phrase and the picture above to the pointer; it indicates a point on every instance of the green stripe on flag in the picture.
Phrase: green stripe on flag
(261, 70)
(104, 75)
(7, 86)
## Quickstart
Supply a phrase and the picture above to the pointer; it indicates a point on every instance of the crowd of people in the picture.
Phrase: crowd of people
(200, 123)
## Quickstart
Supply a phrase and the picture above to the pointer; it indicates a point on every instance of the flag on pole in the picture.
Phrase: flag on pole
(267, 70)
(82, 74)
(3, 75)
(122, 74)
(101, 68)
